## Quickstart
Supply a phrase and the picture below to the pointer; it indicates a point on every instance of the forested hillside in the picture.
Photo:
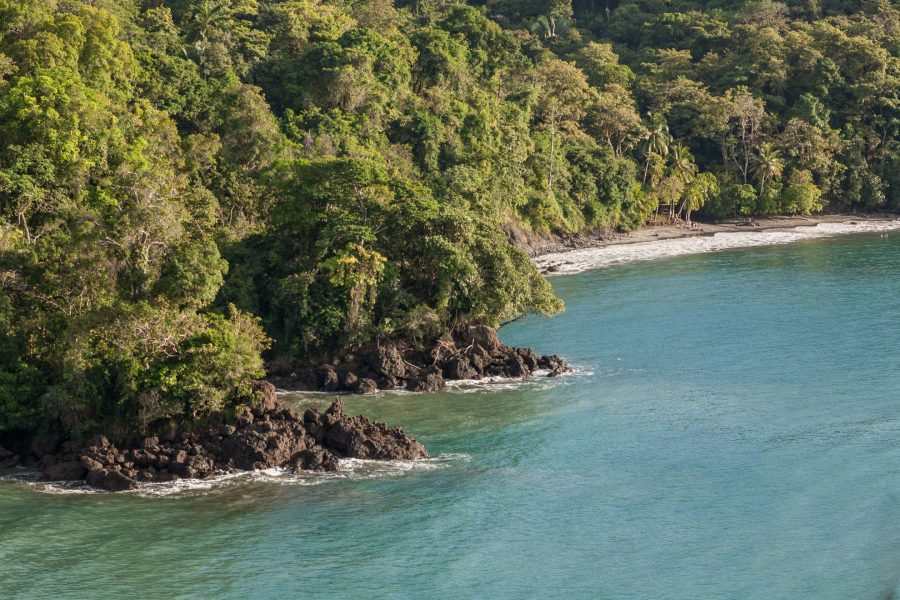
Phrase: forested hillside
(188, 184)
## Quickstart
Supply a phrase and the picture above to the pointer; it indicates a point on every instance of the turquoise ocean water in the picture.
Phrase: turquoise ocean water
(733, 431)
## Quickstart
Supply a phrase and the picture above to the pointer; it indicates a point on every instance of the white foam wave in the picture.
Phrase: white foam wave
(353, 469)
(576, 261)
(538, 380)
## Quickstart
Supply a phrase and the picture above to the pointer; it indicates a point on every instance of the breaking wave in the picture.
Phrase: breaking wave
(353, 469)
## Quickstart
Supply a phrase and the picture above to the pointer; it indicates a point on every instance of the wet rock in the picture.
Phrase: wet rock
(554, 364)
(276, 437)
(315, 459)
(428, 380)
(71, 470)
(529, 358)
(328, 379)
(112, 481)
(389, 383)
(349, 380)
(470, 352)
(516, 367)
(459, 367)
(366, 386)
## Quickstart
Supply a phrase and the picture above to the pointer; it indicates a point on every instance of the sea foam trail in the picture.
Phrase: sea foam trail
(537, 381)
(353, 469)
(576, 261)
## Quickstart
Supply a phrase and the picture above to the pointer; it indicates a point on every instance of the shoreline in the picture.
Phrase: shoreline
(536, 247)
(584, 252)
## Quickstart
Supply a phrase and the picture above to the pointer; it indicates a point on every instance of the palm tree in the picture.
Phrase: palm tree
(768, 166)
(656, 145)
(209, 16)
(682, 168)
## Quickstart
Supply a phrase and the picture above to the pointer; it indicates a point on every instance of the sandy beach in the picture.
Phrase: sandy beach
(538, 246)
(582, 252)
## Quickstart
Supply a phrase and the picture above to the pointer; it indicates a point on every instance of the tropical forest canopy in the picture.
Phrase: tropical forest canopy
(186, 185)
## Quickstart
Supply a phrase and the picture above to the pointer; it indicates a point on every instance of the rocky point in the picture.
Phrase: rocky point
(267, 435)
(472, 352)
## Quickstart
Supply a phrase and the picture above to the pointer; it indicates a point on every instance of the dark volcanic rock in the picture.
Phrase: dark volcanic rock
(269, 435)
(265, 393)
(366, 386)
(360, 438)
(112, 481)
(554, 363)
(481, 335)
(315, 459)
(386, 361)
(469, 352)
(349, 380)
(428, 380)
(460, 367)
(328, 379)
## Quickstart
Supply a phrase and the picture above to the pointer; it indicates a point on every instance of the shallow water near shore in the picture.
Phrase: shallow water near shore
(733, 431)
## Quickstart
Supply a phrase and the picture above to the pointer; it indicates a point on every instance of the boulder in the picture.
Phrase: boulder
(349, 380)
(112, 481)
(554, 364)
(428, 380)
(90, 464)
(386, 361)
(328, 379)
(482, 335)
(388, 383)
(358, 437)
(267, 399)
(459, 367)
(315, 459)
(515, 366)
(366, 386)
(529, 358)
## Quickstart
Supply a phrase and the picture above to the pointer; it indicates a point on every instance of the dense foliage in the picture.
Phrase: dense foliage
(185, 184)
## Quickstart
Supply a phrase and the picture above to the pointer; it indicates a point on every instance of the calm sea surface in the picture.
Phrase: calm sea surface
(733, 431)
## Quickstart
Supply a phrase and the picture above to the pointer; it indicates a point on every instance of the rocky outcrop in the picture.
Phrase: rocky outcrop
(471, 352)
(268, 435)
